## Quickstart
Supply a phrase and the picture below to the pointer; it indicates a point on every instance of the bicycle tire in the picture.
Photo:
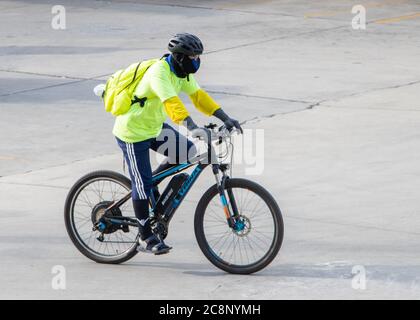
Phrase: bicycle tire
(69, 221)
(275, 212)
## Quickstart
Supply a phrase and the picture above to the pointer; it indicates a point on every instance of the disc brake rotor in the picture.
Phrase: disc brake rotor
(242, 226)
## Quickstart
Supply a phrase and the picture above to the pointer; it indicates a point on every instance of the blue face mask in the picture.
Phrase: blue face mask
(196, 64)
(190, 65)
(182, 65)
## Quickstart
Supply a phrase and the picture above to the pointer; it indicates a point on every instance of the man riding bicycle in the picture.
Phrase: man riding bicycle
(143, 127)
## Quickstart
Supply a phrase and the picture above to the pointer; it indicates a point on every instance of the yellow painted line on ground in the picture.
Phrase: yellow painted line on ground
(397, 19)
(7, 158)
(324, 13)
(240, 4)
(331, 13)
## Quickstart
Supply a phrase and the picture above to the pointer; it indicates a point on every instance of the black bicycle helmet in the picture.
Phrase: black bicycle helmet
(185, 43)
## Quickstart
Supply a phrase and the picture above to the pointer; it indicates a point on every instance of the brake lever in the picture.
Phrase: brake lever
(210, 126)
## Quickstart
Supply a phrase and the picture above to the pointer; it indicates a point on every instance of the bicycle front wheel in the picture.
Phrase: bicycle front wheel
(255, 239)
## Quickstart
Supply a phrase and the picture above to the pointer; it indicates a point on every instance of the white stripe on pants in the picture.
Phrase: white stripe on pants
(135, 171)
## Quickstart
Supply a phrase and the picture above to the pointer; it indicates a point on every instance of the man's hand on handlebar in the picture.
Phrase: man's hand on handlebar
(209, 132)
(198, 132)
(229, 122)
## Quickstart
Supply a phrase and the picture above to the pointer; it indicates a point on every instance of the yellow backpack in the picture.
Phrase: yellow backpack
(120, 87)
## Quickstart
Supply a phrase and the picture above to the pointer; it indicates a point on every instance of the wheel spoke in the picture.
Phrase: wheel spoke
(245, 246)
(90, 195)
(223, 236)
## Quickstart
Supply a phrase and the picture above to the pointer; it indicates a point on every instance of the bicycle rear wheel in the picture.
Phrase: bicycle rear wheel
(258, 233)
(85, 205)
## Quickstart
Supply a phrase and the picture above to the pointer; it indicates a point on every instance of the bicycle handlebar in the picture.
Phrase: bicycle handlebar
(219, 134)
(223, 133)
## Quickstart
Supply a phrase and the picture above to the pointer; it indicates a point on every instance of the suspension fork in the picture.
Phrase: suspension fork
(230, 212)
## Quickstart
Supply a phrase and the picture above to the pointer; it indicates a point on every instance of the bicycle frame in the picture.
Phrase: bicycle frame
(188, 183)
(186, 186)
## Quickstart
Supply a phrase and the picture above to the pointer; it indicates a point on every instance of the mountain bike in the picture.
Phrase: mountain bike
(238, 225)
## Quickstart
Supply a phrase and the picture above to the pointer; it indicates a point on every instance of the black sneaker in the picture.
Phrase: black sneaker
(153, 245)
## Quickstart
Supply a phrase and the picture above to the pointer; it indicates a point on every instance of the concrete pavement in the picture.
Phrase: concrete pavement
(340, 113)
